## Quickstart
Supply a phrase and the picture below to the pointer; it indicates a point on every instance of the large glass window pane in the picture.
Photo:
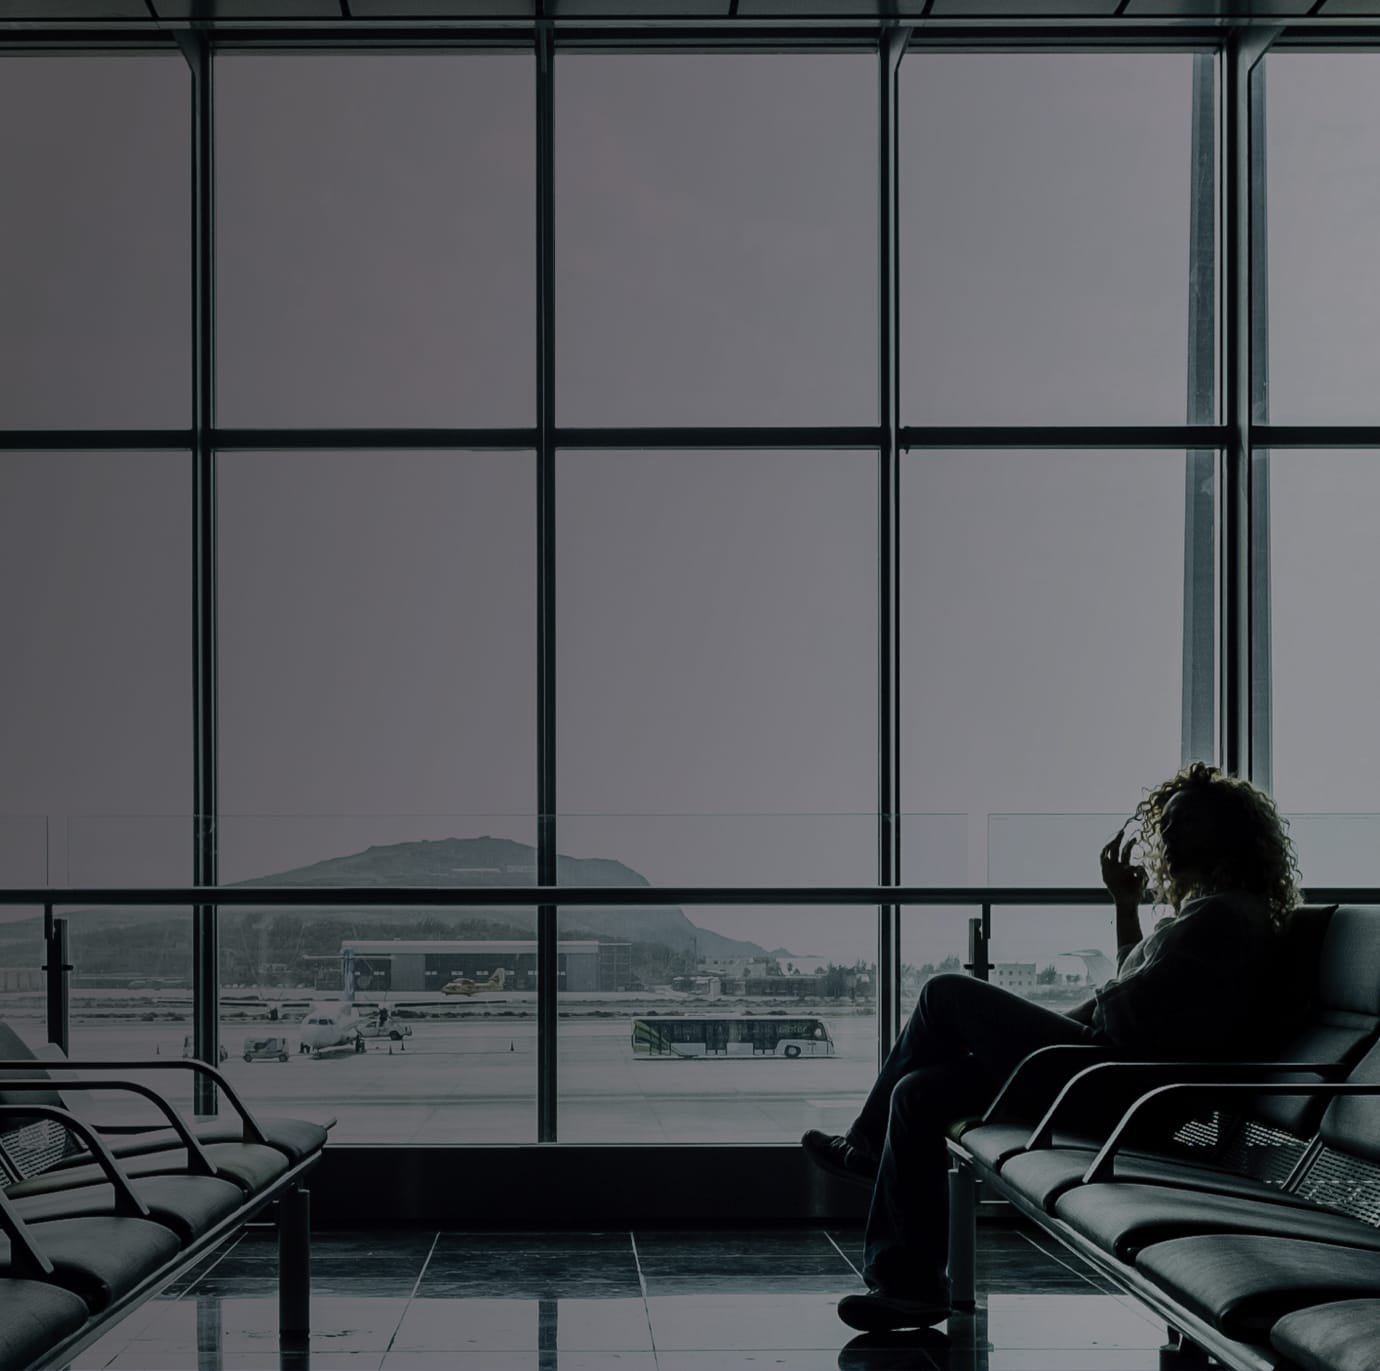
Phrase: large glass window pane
(1325, 669)
(1045, 247)
(1322, 140)
(1043, 604)
(95, 241)
(716, 239)
(717, 724)
(717, 634)
(377, 698)
(377, 655)
(95, 706)
(375, 240)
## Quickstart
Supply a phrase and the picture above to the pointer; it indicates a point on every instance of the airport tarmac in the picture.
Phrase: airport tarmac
(473, 1080)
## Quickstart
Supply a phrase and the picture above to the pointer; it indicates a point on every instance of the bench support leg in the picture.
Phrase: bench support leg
(1177, 1353)
(962, 1236)
(294, 1267)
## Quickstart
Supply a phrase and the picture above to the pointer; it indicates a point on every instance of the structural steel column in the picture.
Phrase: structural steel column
(891, 49)
(196, 47)
(546, 587)
(1198, 715)
(1262, 690)
(1244, 49)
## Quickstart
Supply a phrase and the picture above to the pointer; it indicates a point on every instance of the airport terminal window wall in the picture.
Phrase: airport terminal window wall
(408, 439)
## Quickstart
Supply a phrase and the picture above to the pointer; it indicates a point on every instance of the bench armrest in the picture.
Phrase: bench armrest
(1027, 1091)
(198, 1163)
(25, 1255)
(1108, 1089)
(252, 1132)
(128, 1205)
(1101, 1167)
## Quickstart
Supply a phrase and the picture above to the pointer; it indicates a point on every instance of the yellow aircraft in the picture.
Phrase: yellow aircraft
(467, 985)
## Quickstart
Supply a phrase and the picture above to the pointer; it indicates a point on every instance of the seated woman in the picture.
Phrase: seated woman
(1202, 985)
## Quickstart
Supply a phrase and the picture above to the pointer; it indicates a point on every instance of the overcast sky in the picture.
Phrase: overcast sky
(716, 264)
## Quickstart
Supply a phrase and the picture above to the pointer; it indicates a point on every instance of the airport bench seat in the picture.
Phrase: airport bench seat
(1224, 1245)
(295, 1138)
(251, 1166)
(98, 1257)
(188, 1205)
(1243, 1284)
(1341, 1336)
(112, 1232)
(38, 1315)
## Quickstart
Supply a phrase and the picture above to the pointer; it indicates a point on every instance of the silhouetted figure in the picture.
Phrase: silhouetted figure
(1204, 984)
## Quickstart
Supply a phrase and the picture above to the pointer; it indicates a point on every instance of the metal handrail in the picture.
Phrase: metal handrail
(580, 895)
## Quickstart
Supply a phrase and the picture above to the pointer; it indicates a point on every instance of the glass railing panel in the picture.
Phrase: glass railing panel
(126, 850)
(377, 849)
(130, 990)
(717, 849)
(1052, 954)
(405, 1023)
(1336, 849)
(713, 1023)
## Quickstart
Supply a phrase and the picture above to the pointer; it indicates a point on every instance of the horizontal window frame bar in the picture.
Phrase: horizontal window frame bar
(691, 437)
(1000, 32)
(1279, 436)
(578, 896)
(1015, 436)
(711, 33)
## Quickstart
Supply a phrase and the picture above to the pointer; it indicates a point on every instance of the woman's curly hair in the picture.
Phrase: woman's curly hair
(1251, 849)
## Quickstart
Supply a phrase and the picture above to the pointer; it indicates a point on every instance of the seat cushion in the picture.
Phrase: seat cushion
(189, 1205)
(992, 1143)
(34, 1316)
(1043, 1176)
(297, 1139)
(99, 1259)
(1121, 1218)
(1243, 1284)
(250, 1165)
(1343, 1336)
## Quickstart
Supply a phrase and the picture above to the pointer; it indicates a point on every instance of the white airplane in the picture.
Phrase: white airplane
(467, 985)
(330, 1026)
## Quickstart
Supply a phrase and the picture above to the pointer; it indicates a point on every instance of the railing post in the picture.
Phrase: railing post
(294, 1267)
(56, 970)
(962, 1236)
(979, 937)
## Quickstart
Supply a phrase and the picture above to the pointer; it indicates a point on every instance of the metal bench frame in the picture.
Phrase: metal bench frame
(288, 1191)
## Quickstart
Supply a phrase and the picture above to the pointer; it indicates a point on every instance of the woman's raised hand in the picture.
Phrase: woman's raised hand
(1123, 878)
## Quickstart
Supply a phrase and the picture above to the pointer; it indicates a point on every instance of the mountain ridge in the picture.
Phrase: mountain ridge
(486, 860)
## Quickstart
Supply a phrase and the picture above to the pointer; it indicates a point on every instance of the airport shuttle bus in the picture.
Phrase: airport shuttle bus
(725, 1036)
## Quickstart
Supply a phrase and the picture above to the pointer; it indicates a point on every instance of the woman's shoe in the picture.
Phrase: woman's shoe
(839, 1157)
(880, 1312)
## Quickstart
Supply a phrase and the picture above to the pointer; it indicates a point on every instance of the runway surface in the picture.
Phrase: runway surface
(474, 1080)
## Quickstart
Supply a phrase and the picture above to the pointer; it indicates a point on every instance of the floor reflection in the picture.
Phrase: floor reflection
(618, 1301)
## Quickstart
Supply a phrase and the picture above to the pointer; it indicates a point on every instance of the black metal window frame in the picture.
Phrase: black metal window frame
(1232, 434)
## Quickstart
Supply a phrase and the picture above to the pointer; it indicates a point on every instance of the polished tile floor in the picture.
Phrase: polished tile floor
(728, 1300)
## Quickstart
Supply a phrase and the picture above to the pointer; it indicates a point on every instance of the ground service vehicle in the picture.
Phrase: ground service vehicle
(384, 1028)
(265, 1049)
(746, 1035)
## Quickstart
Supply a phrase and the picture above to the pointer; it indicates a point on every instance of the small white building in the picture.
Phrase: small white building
(1017, 976)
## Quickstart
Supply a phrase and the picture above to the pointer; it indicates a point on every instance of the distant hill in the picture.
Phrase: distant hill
(502, 861)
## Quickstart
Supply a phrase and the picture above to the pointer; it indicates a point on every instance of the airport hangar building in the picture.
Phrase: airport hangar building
(386, 964)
